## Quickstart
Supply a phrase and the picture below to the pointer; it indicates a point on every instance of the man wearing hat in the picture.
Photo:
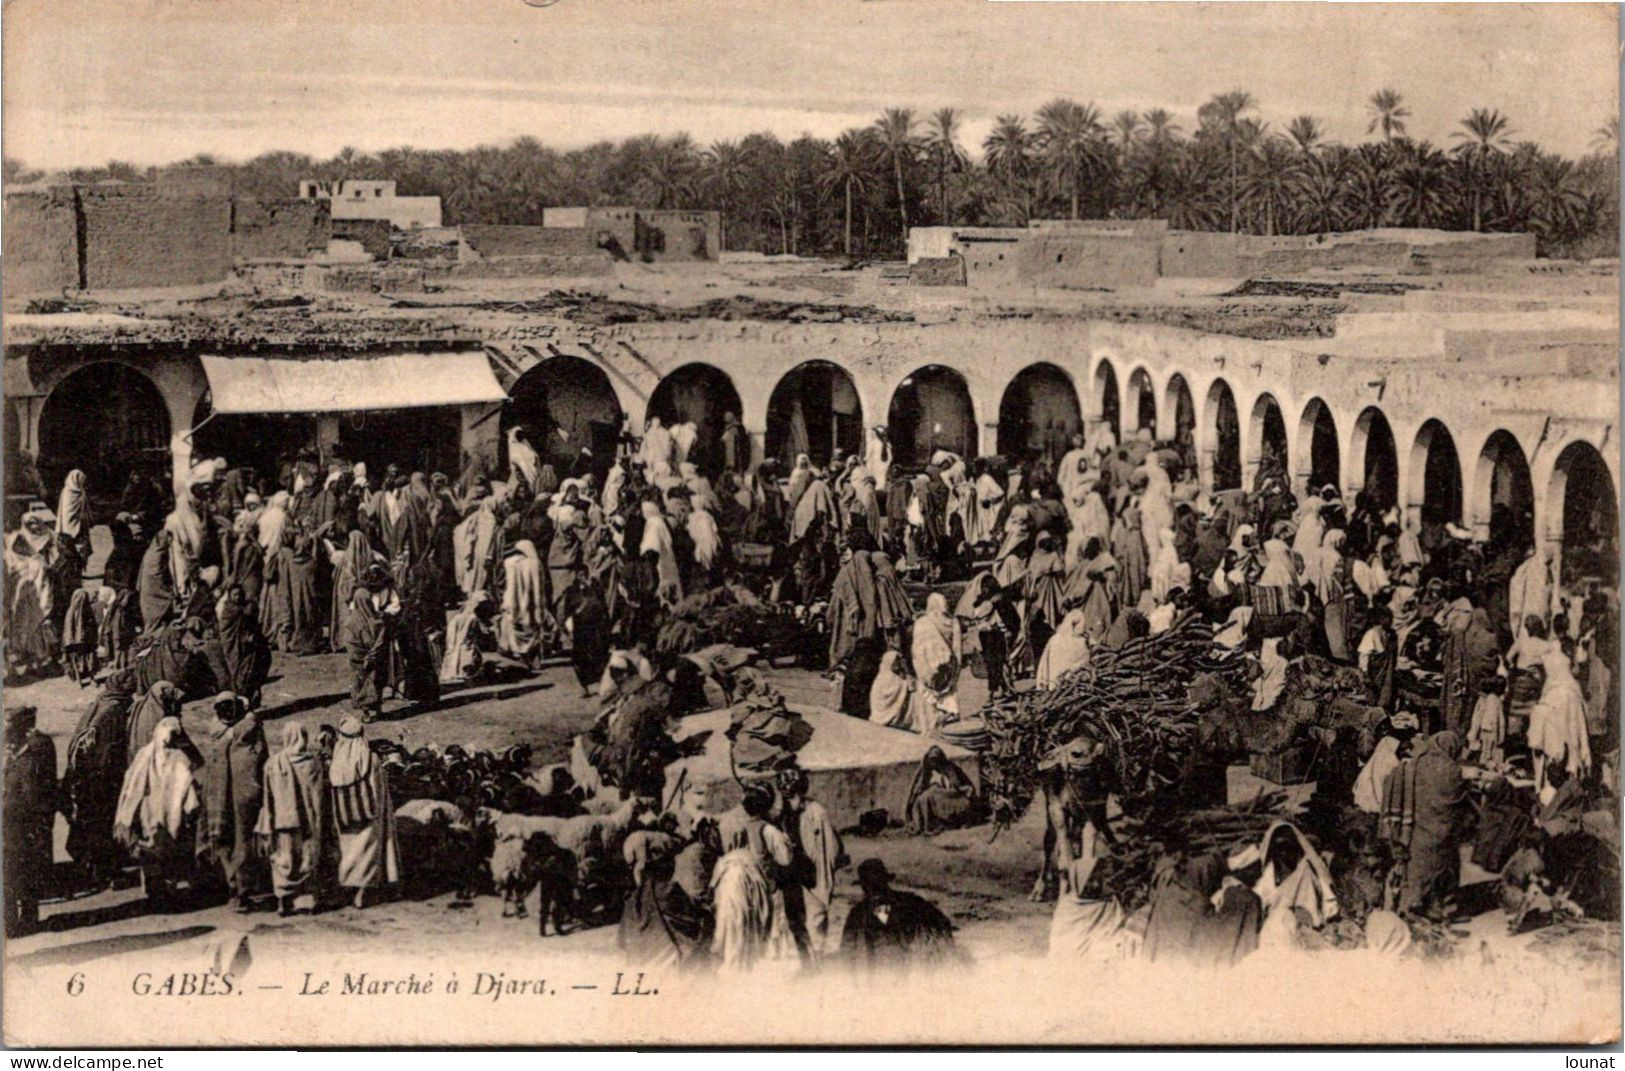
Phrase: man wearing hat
(891, 927)
(29, 809)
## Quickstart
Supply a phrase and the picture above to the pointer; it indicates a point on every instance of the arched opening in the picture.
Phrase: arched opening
(105, 419)
(262, 442)
(1379, 458)
(931, 410)
(698, 394)
(1180, 403)
(1436, 476)
(1038, 414)
(1142, 400)
(1503, 493)
(1111, 406)
(1266, 437)
(1224, 436)
(565, 404)
(1582, 505)
(814, 410)
(1320, 457)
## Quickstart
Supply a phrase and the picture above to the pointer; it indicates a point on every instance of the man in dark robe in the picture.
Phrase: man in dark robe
(30, 805)
(241, 657)
(735, 444)
(588, 617)
(97, 757)
(233, 787)
(368, 631)
(889, 927)
(661, 925)
(155, 584)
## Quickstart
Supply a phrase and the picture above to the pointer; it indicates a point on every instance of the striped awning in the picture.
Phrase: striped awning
(361, 382)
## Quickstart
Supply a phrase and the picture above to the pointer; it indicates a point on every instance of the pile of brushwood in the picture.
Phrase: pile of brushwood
(1128, 874)
(733, 615)
(1136, 699)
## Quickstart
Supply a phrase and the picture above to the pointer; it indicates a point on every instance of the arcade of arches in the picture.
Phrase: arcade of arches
(566, 402)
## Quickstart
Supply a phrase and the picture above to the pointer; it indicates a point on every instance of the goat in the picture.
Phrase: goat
(518, 861)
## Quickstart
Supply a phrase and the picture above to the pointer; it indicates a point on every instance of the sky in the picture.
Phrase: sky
(153, 81)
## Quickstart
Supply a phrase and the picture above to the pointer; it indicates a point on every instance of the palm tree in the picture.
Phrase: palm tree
(849, 169)
(942, 143)
(667, 172)
(1605, 139)
(1484, 136)
(1224, 113)
(725, 169)
(1008, 152)
(1368, 185)
(1306, 132)
(1388, 114)
(1160, 126)
(1323, 191)
(1421, 187)
(1270, 180)
(897, 144)
(1126, 127)
(1069, 144)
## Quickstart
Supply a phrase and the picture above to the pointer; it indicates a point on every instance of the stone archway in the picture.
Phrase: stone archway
(1372, 449)
(1435, 495)
(565, 404)
(1266, 439)
(1503, 493)
(259, 441)
(1221, 443)
(931, 410)
(698, 394)
(1142, 400)
(1108, 403)
(814, 410)
(1582, 517)
(1319, 455)
(103, 418)
(1038, 414)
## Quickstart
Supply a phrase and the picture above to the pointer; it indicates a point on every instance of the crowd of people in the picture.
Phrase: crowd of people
(1017, 570)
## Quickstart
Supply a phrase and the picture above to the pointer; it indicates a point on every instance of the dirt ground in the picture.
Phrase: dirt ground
(980, 881)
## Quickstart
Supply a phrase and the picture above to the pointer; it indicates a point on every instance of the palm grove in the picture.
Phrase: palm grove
(858, 194)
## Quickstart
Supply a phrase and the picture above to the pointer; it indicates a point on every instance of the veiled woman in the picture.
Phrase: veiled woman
(1128, 550)
(295, 818)
(234, 755)
(363, 814)
(158, 806)
(349, 565)
(162, 700)
(1091, 586)
(1043, 592)
(96, 760)
(941, 797)
(935, 655)
(524, 618)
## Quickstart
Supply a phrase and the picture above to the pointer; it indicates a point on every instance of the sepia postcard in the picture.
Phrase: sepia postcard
(854, 522)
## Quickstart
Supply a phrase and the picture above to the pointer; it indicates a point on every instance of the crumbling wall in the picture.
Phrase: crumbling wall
(1195, 254)
(41, 242)
(139, 236)
(495, 240)
(1471, 254)
(597, 262)
(373, 234)
(614, 229)
(278, 230)
(677, 235)
(1084, 260)
(937, 271)
(990, 263)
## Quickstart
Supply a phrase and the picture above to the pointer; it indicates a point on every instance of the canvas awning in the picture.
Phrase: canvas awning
(350, 383)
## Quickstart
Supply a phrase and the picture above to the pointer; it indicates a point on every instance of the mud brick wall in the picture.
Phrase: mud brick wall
(373, 234)
(493, 240)
(42, 242)
(937, 271)
(276, 230)
(1087, 261)
(138, 236)
(677, 235)
(597, 262)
